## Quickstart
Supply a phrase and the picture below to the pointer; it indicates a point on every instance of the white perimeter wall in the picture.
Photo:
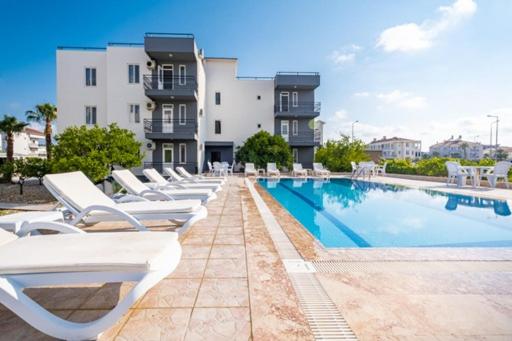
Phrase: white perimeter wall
(240, 111)
(72, 94)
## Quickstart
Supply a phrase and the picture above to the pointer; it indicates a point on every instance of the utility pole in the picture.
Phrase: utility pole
(353, 123)
(496, 146)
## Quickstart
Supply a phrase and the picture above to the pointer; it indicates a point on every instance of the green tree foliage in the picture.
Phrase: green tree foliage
(44, 113)
(336, 155)
(95, 151)
(262, 148)
(10, 125)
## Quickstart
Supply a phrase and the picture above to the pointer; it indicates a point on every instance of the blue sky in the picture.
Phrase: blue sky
(424, 69)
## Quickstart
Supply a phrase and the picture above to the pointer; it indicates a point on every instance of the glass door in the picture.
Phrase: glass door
(167, 118)
(284, 102)
(168, 155)
(168, 77)
(285, 130)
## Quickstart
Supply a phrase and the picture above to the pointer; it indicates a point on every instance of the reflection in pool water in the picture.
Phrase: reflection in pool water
(349, 213)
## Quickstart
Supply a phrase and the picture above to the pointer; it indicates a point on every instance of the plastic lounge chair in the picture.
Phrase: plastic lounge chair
(381, 169)
(319, 170)
(216, 179)
(500, 171)
(457, 174)
(354, 168)
(250, 169)
(88, 204)
(161, 183)
(136, 187)
(209, 180)
(272, 170)
(298, 170)
(76, 257)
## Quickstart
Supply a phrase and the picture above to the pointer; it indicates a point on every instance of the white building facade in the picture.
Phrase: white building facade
(396, 148)
(29, 143)
(186, 108)
(457, 147)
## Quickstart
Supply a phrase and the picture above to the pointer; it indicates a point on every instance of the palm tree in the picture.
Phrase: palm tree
(10, 125)
(46, 113)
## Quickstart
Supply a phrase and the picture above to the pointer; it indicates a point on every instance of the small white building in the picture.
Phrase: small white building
(457, 147)
(396, 147)
(29, 143)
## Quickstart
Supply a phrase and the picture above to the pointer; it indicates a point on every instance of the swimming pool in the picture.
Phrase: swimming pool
(353, 213)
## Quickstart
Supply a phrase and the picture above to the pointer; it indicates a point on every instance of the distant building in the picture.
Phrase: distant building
(396, 148)
(29, 143)
(457, 147)
(319, 132)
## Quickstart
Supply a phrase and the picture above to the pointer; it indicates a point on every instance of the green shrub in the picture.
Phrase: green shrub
(336, 155)
(264, 147)
(6, 171)
(404, 166)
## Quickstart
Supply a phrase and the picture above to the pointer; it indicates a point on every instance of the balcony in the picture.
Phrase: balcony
(297, 80)
(162, 88)
(170, 46)
(162, 129)
(304, 138)
(301, 109)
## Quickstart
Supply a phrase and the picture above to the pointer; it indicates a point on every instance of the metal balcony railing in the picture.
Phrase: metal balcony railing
(174, 126)
(158, 82)
(299, 107)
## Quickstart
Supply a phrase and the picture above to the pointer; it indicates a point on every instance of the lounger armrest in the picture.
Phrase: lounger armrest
(26, 227)
(157, 193)
(112, 210)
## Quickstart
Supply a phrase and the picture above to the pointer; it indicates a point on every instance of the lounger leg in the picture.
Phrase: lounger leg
(202, 214)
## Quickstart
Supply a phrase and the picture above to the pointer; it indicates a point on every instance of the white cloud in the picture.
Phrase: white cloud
(413, 37)
(403, 100)
(361, 94)
(345, 55)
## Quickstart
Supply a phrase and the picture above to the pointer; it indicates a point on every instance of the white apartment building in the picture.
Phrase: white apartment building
(457, 147)
(29, 143)
(185, 107)
(396, 148)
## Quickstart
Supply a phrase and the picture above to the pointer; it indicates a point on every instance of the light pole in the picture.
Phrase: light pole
(497, 122)
(353, 123)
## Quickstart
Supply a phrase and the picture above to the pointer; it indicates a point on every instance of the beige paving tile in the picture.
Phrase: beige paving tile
(228, 251)
(225, 268)
(107, 296)
(232, 292)
(91, 315)
(219, 324)
(228, 239)
(14, 328)
(60, 297)
(156, 324)
(195, 251)
(199, 239)
(230, 230)
(189, 268)
(171, 293)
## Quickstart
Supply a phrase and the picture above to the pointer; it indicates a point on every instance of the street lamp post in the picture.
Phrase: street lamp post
(353, 123)
(496, 145)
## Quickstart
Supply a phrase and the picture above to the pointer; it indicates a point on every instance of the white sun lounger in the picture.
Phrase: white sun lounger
(298, 170)
(272, 169)
(249, 169)
(155, 177)
(199, 178)
(136, 187)
(319, 170)
(88, 204)
(75, 257)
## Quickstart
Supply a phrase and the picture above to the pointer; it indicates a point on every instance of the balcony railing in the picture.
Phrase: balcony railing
(301, 108)
(156, 82)
(159, 166)
(167, 128)
(304, 137)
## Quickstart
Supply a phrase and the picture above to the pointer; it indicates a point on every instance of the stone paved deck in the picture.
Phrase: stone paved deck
(229, 285)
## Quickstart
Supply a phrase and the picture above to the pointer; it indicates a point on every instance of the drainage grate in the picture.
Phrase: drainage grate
(324, 318)
(411, 266)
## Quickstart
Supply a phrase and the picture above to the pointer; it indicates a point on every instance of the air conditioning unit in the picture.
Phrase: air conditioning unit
(150, 145)
(150, 106)
(151, 64)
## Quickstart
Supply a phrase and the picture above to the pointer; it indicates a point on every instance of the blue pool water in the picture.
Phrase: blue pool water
(351, 213)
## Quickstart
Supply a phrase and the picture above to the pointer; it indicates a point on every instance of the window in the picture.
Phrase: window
(182, 114)
(295, 127)
(90, 115)
(133, 73)
(183, 152)
(134, 110)
(217, 98)
(90, 76)
(217, 127)
(295, 153)
(182, 72)
(284, 99)
(295, 99)
(167, 153)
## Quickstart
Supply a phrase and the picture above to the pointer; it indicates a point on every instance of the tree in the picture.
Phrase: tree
(46, 113)
(262, 148)
(10, 125)
(95, 151)
(336, 155)
(501, 155)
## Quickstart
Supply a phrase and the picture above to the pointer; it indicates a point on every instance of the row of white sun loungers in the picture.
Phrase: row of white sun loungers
(298, 171)
(72, 256)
